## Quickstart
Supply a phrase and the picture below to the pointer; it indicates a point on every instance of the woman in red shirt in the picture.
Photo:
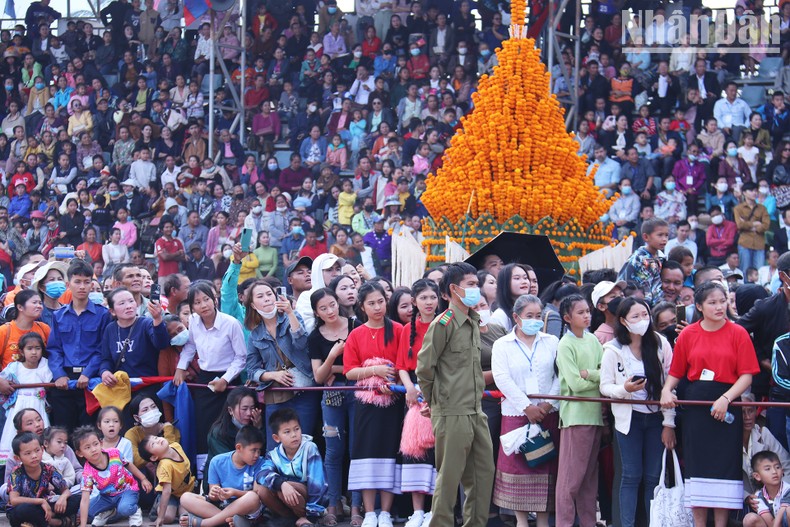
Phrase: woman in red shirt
(718, 359)
(419, 477)
(377, 429)
(371, 44)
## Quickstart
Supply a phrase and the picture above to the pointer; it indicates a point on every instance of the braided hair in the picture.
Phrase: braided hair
(423, 284)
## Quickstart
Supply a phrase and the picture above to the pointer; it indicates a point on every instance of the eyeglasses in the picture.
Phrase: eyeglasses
(52, 221)
(36, 219)
(376, 102)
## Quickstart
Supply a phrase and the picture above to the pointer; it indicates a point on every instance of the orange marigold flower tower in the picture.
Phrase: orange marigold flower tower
(516, 164)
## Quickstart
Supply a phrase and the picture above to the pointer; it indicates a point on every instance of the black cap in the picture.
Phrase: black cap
(402, 179)
(749, 186)
(304, 260)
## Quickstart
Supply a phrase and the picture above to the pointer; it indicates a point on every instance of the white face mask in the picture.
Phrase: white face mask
(257, 209)
(764, 190)
(485, 316)
(722, 187)
(638, 328)
(227, 253)
(268, 315)
(282, 209)
(693, 224)
(717, 220)
(150, 418)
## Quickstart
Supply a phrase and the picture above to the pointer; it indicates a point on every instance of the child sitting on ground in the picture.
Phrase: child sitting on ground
(172, 472)
(56, 441)
(770, 503)
(38, 494)
(112, 476)
(292, 481)
(231, 477)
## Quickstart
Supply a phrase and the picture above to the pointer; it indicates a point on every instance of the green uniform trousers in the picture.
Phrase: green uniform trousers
(464, 455)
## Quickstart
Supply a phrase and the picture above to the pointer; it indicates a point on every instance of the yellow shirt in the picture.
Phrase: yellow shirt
(176, 473)
(136, 434)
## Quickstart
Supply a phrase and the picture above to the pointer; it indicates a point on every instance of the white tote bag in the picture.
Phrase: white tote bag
(668, 507)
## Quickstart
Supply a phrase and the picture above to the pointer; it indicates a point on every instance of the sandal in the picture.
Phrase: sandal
(328, 520)
(356, 520)
(192, 520)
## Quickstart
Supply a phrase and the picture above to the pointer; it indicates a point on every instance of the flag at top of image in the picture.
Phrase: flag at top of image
(193, 9)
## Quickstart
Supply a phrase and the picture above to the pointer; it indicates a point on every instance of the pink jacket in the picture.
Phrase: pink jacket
(337, 157)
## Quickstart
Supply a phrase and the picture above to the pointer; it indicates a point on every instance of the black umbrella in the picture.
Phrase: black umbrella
(531, 249)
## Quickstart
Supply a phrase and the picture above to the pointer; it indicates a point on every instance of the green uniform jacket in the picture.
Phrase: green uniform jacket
(448, 365)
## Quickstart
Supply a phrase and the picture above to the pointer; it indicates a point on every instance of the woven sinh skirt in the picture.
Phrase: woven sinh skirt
(519, 487)
(375, 461)
(419, 475)
(711, 451)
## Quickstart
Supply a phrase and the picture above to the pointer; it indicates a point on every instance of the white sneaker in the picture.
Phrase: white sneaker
(136, 519)
(385, 520)
(370, 521)
(415, 520)
(100, 520)
(426, 521)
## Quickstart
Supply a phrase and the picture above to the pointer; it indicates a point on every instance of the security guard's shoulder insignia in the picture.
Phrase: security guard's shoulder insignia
(446, 317)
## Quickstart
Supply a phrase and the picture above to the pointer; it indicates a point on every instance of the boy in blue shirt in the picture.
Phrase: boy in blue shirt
(292, 481)
(231, 477)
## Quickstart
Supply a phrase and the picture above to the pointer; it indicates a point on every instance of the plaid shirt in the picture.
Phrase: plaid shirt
(644, 269)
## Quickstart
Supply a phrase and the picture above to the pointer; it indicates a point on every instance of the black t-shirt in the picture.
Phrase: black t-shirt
(318, 348)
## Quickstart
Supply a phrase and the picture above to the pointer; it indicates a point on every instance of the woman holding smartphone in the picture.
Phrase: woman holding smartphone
(634, 366)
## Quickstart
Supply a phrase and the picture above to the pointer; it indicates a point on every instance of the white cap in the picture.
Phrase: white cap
(26, 269)
(130, 183)
(604, 288)
(42, 271)
(328, 261)
(170, 202)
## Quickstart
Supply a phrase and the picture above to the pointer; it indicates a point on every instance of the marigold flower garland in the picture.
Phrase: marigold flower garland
(516, 155)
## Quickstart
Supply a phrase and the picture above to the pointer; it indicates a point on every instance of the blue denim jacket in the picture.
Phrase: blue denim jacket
(262, 354)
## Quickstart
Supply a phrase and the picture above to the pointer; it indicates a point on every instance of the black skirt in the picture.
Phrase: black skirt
(375, 461)
(712, 451)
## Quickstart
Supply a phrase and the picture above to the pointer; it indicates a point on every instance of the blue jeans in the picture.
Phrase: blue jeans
(640, 454)
(306, 405)
(125, 504)
(339, 436)
(750, 258)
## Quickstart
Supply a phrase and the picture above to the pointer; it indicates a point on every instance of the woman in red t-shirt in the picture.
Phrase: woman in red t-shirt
(420, 477)
(377, 429)
(718, 359)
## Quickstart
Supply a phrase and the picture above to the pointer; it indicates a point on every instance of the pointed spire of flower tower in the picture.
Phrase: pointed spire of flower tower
(514, 151)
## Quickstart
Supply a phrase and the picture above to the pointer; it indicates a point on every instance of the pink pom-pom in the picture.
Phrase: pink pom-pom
(372, 395)
(417, 437)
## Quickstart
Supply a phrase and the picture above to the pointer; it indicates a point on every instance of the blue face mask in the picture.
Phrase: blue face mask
(55, 289)
(531, 326)
(180, 339)
(485, 52)
(115, 193)
(626, 191)
(8, 88)
(331, 10)
(732, 152)
(96, 297)
(415, 52)
(471, 296)
(298, 231)
(669, 185)
(39, 85)
(692, 158)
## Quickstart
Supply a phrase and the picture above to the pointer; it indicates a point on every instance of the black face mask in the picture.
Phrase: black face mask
(671, 333)
(368, 208)
(239, 196)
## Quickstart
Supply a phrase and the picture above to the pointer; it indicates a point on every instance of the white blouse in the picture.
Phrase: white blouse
(519, 371)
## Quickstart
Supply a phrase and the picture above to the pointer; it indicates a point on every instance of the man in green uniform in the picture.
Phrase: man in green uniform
(451, 380)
